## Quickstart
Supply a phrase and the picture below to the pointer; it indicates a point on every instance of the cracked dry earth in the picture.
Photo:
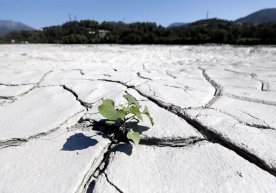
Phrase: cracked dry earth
(214, 109)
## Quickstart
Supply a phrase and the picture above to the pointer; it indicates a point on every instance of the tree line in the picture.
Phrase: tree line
(204, 31)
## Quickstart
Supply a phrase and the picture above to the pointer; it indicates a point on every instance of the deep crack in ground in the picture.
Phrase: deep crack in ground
(19, 141)
(210, 135)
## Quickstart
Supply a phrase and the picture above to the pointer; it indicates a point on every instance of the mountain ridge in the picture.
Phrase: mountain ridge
(7, 26)
(259, 17)
(176, 24)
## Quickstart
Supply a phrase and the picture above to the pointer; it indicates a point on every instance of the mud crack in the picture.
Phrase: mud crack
(210, 135)
(112, 184)
(84, 104)
(250, 99)
(89, 186)
(20, 141)
(143, 77)
(217, 87)
(175, 142)
(34, 86)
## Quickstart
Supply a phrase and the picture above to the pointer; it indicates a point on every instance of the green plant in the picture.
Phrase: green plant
(125, 118)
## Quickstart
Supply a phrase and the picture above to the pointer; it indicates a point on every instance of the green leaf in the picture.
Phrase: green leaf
(107, 110)
(131, 100)
(146, 112)
(135, 110)
(120, 114)
(134, 136)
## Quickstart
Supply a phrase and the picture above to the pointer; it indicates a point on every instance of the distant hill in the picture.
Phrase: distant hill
(179, 24)
(7, 26)
(258, 17)
(206, 31)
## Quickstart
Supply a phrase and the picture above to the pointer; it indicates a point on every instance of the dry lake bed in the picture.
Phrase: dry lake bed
(214, 109)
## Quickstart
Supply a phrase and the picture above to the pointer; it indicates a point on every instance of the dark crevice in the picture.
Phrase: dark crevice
(151, 90)
(215, 137)
(76, 69)
(170, 75)
(112, 184)
(81, 71)
(100, 169)
(7, 97)
(250, 99)
(262, 87)
(217, 87)
(143, 77)
(258, 126)
(254, 77)
(145, 68)
(266, 126)
(210, 135)
(236, 72)
(184, 88)
(35, 85)
(107, 75)
(114, 135)
(265, 87)
(84, 104)
(116, 145)
(43, 77)
(170, 142)
(26, 84)
(20, 141)
(12, 142)
(154, 93)
(251, 116)
(89, 180)
(219, 90)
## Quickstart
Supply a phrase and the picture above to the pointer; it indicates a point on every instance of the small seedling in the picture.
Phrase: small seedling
(125, 118)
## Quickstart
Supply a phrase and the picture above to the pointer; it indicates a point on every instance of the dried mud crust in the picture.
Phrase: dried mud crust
(206, 100)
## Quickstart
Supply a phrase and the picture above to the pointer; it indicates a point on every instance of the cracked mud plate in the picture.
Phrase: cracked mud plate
(214, 108)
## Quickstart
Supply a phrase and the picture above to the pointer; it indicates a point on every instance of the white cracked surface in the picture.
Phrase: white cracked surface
(167, 126)
(56, 163)
(39, 111)
(20, 77)
(12, 91)
(221, 94)
(201, 168)
(248, 111)
(257, 141)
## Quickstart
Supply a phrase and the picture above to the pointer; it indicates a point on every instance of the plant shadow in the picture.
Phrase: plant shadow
(78, 141)
(125, 148)
(113, 133)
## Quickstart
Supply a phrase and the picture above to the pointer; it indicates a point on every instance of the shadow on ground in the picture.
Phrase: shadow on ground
(78, 141)
(125, 148)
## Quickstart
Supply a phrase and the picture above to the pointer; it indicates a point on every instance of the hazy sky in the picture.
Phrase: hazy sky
(40, 13)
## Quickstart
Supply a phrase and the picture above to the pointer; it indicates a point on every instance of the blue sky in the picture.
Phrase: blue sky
(41, 13)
